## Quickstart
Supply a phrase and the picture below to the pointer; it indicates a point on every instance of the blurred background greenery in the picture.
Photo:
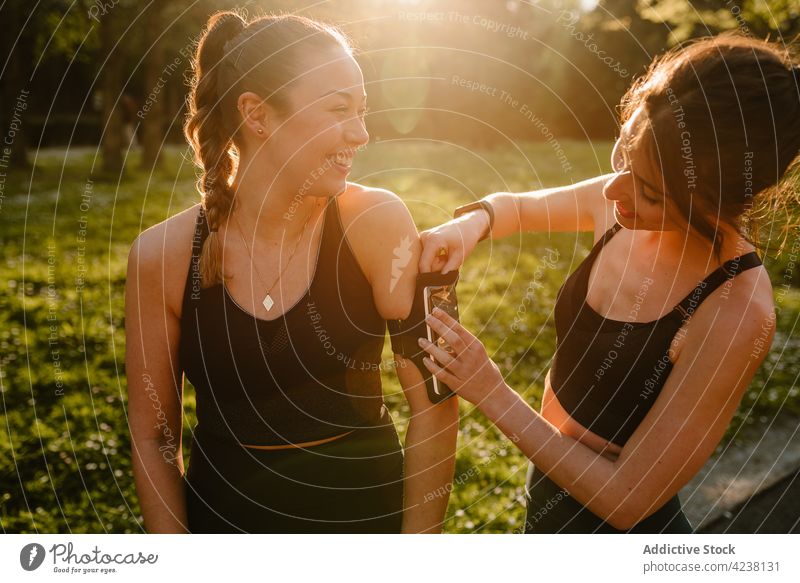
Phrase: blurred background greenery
(568, 61)
(467, 98)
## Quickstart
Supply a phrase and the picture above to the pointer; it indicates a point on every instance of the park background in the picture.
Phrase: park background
(466, 97)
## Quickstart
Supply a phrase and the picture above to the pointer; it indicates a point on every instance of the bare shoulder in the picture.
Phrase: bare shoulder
(750, 294)
(373, 204)
(161, 255)
(374, 217)
(385, 242)
(740, 314)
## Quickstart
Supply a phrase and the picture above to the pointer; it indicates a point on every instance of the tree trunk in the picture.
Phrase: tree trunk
(155, 79)
(15, 92)
(113, 130)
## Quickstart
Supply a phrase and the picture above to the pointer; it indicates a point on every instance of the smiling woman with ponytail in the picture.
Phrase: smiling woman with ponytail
(271, 295)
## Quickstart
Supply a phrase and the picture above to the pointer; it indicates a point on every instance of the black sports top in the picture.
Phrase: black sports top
(607, 373)
(312, 373)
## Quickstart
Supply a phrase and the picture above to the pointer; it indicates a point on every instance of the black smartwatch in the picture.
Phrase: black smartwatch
(477, 205)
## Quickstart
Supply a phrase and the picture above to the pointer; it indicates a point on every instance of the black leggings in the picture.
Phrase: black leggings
(552, 510)
(350, 485)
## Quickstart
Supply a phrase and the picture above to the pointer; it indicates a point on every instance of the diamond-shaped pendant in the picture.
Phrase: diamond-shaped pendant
(268, 303)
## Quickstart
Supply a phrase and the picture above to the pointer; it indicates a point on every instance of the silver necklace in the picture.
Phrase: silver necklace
(268, 302)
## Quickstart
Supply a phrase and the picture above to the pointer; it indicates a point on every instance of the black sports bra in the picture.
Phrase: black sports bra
(310, 374)
(607, 373)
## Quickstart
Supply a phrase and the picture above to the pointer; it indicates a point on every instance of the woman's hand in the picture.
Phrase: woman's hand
(467, 370)
(446, 247)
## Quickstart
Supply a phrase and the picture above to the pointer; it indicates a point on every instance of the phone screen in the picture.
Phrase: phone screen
(444, 298)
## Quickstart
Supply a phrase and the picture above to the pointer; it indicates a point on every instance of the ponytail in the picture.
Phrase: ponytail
(211, 137)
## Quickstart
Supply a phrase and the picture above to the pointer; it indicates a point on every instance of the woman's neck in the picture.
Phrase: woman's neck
(678, 246)
(270, 212)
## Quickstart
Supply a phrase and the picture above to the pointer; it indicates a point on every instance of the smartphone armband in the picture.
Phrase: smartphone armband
(432, 290)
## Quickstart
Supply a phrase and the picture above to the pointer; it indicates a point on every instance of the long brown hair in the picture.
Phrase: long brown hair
(723, 125)
(234, 56)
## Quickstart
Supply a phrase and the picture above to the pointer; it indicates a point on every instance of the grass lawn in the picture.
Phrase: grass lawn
(65, 463)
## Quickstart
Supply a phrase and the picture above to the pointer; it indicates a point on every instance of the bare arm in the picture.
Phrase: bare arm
(675, 439)
(577, 207)
(155, 388)
(388, 248)
(429, 453)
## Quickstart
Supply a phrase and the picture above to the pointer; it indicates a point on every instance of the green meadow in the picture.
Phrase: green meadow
(65, 232)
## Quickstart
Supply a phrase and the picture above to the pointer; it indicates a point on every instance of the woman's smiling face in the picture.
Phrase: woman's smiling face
(312, 146)
(637, 188)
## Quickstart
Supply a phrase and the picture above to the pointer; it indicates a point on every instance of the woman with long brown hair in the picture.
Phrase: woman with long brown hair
(662, 327)
(272, 296)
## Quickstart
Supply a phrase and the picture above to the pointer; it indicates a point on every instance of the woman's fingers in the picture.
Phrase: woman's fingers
(438, 263)
(463, 334)
(454, 261)
(443, 375)
(431, 242)
(442, 248)
(440, 355)
(450, 336)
